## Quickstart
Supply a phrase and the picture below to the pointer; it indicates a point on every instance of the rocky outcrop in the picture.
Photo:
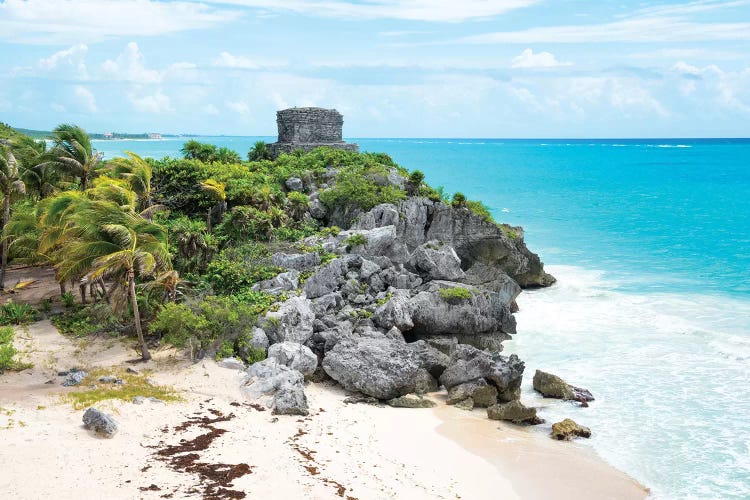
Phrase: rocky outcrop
(481, 393)
(514, 411)
(276, 386)
(380, 368)
(293, 321)
(468, 364)
(568, 429)
(99, 422)
(411, 401)
(552, 386)
(436, 261)
(475, 240)
(296, 261)
(283, 282)
(295, 356)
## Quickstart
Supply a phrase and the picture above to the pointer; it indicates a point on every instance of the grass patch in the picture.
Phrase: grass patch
(91, 391)
(455, 295)
(355, 240)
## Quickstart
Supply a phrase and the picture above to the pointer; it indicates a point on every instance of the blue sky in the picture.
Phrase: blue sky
(418, 68)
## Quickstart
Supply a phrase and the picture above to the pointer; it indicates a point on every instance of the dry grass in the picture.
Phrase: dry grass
(91, 391)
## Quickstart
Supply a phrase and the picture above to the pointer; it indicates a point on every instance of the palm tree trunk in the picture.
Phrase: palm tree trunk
(137, 316)
(208, 220)
(4, 263)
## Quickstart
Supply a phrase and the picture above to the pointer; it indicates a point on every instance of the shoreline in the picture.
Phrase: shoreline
(371, 452)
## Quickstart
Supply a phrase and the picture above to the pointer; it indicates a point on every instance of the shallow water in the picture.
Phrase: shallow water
(650, 241)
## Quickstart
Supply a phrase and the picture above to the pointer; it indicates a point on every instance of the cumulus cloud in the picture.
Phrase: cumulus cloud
(239, 107)
(227, 60)
(85, 98)
(151, 103)
(130, 66)
(528, 59)
(70, 21)
(73, 57)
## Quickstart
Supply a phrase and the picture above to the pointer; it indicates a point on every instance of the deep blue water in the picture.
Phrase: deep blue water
(650, 241)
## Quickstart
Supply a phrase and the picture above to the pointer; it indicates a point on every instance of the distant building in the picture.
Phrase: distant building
(108, 135)
(309, 128)
(154, 136)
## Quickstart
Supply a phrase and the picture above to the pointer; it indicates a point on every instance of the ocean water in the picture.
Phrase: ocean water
(650, 242)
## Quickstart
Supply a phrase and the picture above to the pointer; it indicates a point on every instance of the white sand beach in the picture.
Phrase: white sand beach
(338, 451)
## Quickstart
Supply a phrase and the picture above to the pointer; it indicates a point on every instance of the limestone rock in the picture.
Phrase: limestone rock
(468, 364)
(329, 278)
(74, 377)
(290, 399)
(99, 422)
(295, 356)
(294, 184)
(515, 412)
(292, 322)
(552, 386)
(296, 261)
(467, 404)
(411, 401)
(283, 282)
(432, 360)
(568, 429)
(437, 261)
(380, 368)
(481, 393)
(272, 384)
(395, 312)
(232, 364)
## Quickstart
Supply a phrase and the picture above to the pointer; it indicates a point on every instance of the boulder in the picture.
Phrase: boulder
(296, 261)
(317, 209)
(467, 404)
(481, 393)
(552, 386)
(295, 356)
(436, 261)
(469, 364)
(411, 401)
(380, 368)
(515, 412)
(568, 429)
(481, 312)
(74, 377)
(395, 312)
(381, 241)
(99, 422)
(272, 383)
(431, 359)
(294, 184)
(292, 322)
(283, 282)
(329, 278)
(232, 364)
(290, 399)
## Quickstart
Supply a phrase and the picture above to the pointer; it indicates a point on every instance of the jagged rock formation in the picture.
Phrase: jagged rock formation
(552, 386)
(568, 429)
(99, 422)
(307, 129)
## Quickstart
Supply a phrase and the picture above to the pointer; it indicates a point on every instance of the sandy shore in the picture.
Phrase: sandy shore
(338, 451)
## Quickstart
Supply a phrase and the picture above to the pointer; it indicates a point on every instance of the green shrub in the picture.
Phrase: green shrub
(92, 319)
(355, 188)
(16, 314)
(236, 269)
(225, 351)
(455, 295)
(203, 324)
(355, 240)
(7, 351)
(45, 305)
(509, 231)
(459, 200)
(68, 299)
(480, 209)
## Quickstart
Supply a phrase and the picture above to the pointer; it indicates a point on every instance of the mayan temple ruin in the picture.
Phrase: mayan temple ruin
(309, 128)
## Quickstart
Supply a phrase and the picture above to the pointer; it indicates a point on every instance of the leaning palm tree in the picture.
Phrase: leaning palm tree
(217, 191)
(10, 184)
(120, 246)
(138, 173)
(259, 152)
(73, 155)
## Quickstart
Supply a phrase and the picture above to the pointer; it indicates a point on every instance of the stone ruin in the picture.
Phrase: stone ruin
(307, 129)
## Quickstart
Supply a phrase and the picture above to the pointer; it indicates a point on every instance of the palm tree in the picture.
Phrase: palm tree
(73, 155)
(138, 173)
(10, 184)
(259, 152)
(217, 191)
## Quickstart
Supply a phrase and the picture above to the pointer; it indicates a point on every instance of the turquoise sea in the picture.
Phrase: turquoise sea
(650, 242)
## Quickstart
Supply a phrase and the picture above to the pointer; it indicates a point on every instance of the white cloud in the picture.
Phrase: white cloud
(414, 10)
(527, 59)
(73, 21)
(210, 109)
(151, 103)
(73, 57)
(636, 30)
(227, 60)
(240, 107)
(85, 98)
(728, 89)
(130, 66)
